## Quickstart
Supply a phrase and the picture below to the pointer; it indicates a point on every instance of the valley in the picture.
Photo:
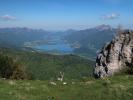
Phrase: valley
(66, 50)
(55, 72)
(85, 43)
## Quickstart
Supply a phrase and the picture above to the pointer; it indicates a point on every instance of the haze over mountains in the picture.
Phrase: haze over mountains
(89, 41)
(83, 42)
(18, 36)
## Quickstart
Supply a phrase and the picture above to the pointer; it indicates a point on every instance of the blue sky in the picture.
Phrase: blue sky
(65, 14)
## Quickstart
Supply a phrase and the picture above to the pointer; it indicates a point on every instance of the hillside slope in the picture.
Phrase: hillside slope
(88, 42)
(16, 37)
(46, 66)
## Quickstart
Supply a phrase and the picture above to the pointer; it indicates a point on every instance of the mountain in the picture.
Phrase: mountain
(116, 56)
(103, 27)
(88, 42)
(83, 42)
(18, 36)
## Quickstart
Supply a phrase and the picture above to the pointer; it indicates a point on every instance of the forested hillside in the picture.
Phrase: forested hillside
(46, 66)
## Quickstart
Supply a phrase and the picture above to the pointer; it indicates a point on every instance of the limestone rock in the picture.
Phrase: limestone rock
(115, 55)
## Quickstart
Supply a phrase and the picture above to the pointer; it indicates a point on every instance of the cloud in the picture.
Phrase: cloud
(7, 17)
(111, 16)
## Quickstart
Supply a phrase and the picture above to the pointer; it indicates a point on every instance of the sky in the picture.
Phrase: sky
(65, 14)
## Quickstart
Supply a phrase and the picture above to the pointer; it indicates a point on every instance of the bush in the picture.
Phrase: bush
(9, 69)
(129, 70)
(126, 70)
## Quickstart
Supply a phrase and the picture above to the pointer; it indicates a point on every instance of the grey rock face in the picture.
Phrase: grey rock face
(115, 55)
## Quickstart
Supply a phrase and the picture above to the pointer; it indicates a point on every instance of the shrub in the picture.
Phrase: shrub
(9, 69)
(126, 70)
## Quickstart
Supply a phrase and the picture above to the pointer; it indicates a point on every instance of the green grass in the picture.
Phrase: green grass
(114, 88)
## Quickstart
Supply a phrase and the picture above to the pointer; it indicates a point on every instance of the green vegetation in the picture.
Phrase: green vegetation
(114, 88)
(9, 69)
(47, 67)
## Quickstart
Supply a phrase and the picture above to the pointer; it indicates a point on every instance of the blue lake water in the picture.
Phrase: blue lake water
(55, 44)
(61, 48)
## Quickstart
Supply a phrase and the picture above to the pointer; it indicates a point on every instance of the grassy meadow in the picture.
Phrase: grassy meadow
(119, 87)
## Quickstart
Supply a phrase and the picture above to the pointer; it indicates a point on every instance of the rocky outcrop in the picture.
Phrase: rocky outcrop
(115, 55)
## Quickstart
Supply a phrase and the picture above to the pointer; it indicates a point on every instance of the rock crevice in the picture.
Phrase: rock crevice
(115, 55)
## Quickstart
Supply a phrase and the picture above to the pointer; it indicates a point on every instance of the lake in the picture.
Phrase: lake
(55, 44)
(59, 47)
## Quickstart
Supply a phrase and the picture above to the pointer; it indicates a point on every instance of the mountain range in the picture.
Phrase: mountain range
(85, 42)
(88, 42)
(18, 36)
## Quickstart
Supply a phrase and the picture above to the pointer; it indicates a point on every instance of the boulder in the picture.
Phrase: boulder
(115, 55)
